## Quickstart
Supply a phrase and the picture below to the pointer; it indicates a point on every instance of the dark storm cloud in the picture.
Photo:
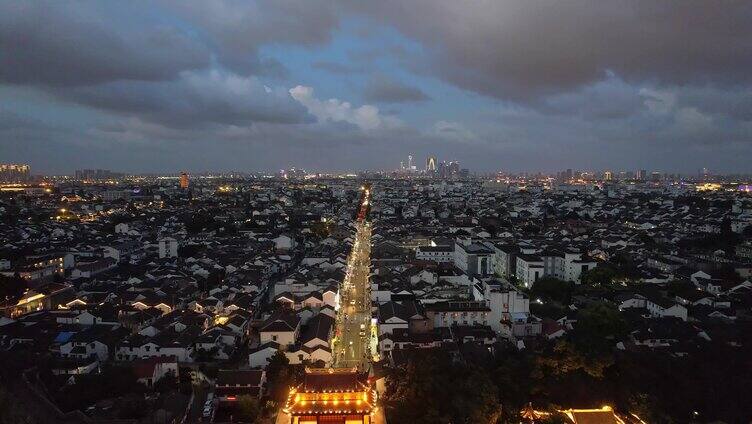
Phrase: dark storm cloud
(253, 64)
(381, 88)
(194, 100)
(522, 49)
(608, 99)
(245, 25)
(239, 28)
(733, 103)
(71, 43)
(12, 121)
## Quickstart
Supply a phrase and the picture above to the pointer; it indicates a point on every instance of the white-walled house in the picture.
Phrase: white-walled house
(231, 384)
(165, 344)
(283, 329)
(122, 228)
(260, 356)
(151, 370)
(394, 315)
(503, 305)
(530, 269)
(439, 254)
(666, 308)
(284, 242)
(300, 353)
(82, 349)
(168, 248)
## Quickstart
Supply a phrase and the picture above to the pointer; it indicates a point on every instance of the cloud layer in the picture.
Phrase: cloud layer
(365, 117)
(381, 88)
(521, 49)
(55, 44)
(264, 84)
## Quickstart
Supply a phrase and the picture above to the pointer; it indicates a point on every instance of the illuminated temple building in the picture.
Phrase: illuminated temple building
(329, 395)
(603, 415)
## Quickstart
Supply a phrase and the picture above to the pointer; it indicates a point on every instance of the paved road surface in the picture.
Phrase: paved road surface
(195, 414)
(354, 316)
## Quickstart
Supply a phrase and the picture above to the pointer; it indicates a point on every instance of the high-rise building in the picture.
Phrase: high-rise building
(642, 174)
(431, 164)
(443, 169)
(608, 176)
(454, 168)
(96, 174)
(14, 172)
(410, 162)
(184, 180)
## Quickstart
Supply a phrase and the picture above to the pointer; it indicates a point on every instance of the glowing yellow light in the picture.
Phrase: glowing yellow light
(31, 299)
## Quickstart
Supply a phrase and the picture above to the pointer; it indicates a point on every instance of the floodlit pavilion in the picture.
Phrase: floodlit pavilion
(331, 395)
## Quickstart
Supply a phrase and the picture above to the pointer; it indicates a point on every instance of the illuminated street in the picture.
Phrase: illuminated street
(353, 329)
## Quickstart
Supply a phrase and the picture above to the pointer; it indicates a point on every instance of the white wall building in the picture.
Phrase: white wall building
(530, 268)
(439, 254)
(168, 248)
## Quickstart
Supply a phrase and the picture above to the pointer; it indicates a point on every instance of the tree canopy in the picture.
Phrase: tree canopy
(601, 276)
(280, 376)
(552, 290)
(433, 389)
(11, 288)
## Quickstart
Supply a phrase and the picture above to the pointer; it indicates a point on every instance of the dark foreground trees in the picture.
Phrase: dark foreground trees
(433, 389)
(583, 369)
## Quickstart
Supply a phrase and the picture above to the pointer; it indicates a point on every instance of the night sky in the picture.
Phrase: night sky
(524, 85)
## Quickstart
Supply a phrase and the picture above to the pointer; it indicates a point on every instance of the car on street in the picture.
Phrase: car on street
(207, 410)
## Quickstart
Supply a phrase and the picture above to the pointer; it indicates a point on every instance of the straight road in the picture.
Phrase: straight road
(354, 315)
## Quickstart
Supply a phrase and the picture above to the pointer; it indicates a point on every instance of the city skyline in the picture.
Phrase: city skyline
(433, 168)
(20, 172)
(335, 86)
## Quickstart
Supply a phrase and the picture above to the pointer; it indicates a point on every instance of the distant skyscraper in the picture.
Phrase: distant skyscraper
(443, 169)
(454, 168)
(96, 174)
(431, 164)
(184, 180)
(642, 174)
(409, 161)
(608, 176)
(14, 172)
(705, 173)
